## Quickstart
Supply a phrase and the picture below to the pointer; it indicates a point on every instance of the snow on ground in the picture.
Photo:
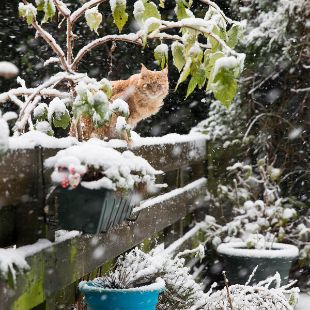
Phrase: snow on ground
(304, 301)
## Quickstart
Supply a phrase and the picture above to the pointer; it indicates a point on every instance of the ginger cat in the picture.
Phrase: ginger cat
(144, 94)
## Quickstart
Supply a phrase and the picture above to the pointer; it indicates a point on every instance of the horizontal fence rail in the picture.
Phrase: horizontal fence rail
(57, 266)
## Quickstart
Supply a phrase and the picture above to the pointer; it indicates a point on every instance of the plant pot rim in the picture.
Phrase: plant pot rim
(279, 250)
(157, 286)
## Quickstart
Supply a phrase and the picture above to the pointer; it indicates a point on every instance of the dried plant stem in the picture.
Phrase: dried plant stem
(226, 284)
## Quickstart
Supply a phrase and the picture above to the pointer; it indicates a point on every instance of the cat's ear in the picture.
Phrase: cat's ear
(144, 71)
(165, 71)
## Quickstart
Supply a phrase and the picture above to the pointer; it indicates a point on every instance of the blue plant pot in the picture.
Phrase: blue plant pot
(139, 298)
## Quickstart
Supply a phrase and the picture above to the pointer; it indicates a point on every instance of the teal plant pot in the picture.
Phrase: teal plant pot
(239, 261)
(92, 211)
(139, 298)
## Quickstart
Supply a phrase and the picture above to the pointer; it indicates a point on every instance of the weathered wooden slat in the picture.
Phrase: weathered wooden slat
(19, 169)
(65, 262)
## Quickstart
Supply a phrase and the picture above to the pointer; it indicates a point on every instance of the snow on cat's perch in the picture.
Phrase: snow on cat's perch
(33, 138)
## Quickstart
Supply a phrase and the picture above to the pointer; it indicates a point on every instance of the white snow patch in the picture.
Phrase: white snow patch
(159, 199)
(239, 248)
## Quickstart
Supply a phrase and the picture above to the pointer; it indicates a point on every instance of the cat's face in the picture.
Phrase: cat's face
(153, 84)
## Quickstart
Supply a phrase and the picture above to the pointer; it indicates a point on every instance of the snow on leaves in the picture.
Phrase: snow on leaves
(27, 11)
(120, 16)
(93, 19)
(48, 7)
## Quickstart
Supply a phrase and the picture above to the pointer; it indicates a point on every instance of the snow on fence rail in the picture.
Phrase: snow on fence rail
(56, 268)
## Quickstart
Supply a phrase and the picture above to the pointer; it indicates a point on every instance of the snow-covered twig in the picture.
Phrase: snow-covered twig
(202, 24)
(216, 7)
(132, 38)
(22, 91)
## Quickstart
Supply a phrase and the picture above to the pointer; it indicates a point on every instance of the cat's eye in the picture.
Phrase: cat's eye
(149, 85)
(159, 86)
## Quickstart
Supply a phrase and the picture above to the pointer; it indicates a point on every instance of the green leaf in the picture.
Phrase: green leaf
(29, 18)
(162, 5)
(178, 55)
(10, 279)
(40, 5)
(40, 112)
(93, 19)
(185, 72)
(77, 112)
(106, 87)
(224, 86)
(200, 75)
(180, 10)
(214, 42)
(101, 105)
(21, 11)
(49, 9)
(27, 11)
(119, 14)
(161, 55)
(63, 121)
(191, 86)
(234, 34)
(210, 67)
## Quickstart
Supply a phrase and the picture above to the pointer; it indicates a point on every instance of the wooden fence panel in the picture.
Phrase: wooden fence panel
(56, 268)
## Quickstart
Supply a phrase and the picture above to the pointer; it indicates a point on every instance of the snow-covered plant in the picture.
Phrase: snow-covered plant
(203, 50)
(95, 166)
(260, 214)
(256, 297)
(137, 268)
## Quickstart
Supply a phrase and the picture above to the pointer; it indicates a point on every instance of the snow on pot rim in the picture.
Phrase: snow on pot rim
(158, 286)
(277, 250)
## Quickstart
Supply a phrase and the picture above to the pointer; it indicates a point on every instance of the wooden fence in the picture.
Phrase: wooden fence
(57, 267)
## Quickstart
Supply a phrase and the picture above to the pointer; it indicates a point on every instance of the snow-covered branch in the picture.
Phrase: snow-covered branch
(132, 38)
(79, 12)
(201, 26)
(22, 91)
(63, 9)
(216, 7)
(31, 105)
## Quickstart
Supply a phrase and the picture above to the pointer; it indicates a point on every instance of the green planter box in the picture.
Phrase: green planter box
(239, 261)
(92, 211)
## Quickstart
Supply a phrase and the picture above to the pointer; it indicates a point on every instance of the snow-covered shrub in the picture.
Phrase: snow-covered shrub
(260, 213)
(256, 297)
(137, 268)
(204, 51)
(97, 167)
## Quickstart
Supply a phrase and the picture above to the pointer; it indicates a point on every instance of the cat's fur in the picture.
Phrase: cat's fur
(144, 94)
